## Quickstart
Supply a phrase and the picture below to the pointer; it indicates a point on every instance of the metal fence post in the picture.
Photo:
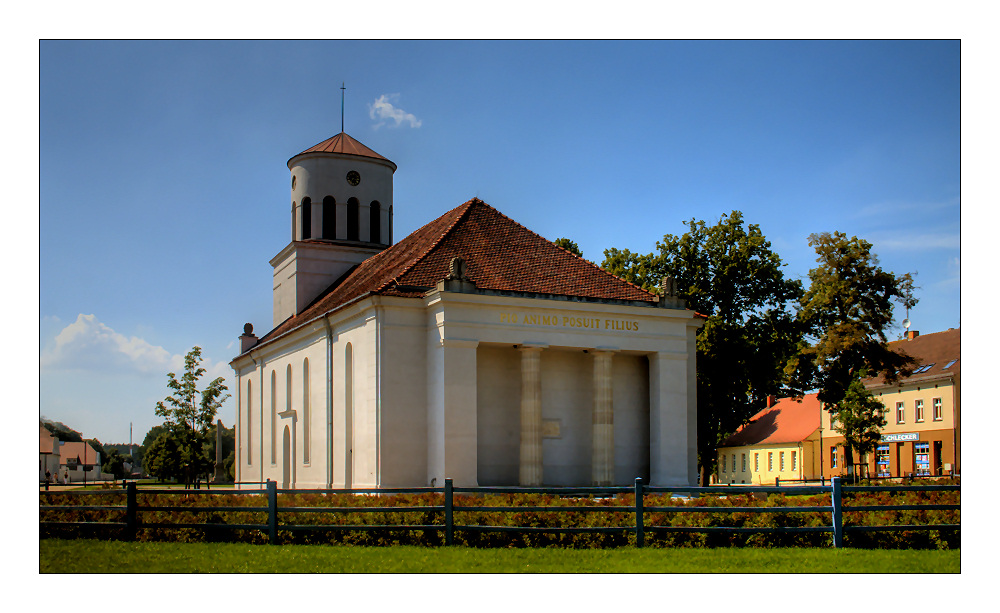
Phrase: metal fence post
(272, 512)
(130, 511)
(449, 524)
(837, 513)
(639, 535)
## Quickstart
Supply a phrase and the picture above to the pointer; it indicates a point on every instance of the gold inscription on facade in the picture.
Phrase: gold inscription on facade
(570, 321)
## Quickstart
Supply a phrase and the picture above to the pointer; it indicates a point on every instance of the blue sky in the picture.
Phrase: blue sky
(164, 190)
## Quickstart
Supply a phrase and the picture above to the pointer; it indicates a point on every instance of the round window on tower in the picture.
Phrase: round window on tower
(353, 177)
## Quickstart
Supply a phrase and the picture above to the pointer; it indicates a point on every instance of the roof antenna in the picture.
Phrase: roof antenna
(342, 88)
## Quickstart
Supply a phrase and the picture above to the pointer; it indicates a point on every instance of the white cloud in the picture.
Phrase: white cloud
(384, 111)
(88, 344)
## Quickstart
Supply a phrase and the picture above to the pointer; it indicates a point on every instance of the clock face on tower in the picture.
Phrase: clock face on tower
(353, 177)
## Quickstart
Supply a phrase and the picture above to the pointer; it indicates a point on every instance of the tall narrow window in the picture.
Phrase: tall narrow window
(770, 461)
(722, 461)
(833, 457)
(249, 423)
(353, 217)
(288, 388)
(376, 222)
(274, 420)
(938, 413)
(329, 217)
(295, 212)
(348, 415)
(306, 218)
(781, 460)
(734, 462)
(743, 462)
(795, 465)
(756, 462)
(918, 410)
(305, 411)
(900, 412)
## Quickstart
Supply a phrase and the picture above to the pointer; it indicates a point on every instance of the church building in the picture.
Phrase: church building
(473, 349)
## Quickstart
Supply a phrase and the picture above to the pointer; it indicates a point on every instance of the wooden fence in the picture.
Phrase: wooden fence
(265, 502)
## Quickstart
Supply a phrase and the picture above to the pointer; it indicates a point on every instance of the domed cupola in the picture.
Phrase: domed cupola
(341, 215)
(342, 190)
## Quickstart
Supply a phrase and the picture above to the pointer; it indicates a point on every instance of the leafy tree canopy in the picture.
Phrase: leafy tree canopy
(845, 314)
(568, 245)
(859, 417)
(188, 418)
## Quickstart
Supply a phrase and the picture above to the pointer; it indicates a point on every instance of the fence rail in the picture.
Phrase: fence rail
(269, 509)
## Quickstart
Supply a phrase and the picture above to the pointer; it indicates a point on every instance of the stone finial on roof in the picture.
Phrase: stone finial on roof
(457, 270)
(668, 286)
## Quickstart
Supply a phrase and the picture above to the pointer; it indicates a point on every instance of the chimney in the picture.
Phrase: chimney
(912, 334)
(248, 339)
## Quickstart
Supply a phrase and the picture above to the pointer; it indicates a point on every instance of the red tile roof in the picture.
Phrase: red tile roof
(343, 143)
(46, 440)
(933, 351)
(81, 450)
(501, 255)
(790, 420)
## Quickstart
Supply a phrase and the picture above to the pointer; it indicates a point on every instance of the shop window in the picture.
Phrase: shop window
(900, 413)
(833, 457)
(938, 413)
(918, 410)
(882, 461)
(922, 458)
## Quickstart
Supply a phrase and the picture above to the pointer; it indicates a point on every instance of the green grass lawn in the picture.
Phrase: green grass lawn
(68, 556)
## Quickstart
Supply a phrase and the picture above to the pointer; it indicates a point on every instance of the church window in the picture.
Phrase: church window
(376, 222)
(306, 217)
(294, 218)
(305, 411)
(249, 422)
(353, 219)
(274, 420)
(329, 217)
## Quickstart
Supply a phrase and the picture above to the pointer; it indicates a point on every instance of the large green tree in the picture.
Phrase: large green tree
(188, 414)
(728, 273)
(859, 417)
(846, 313)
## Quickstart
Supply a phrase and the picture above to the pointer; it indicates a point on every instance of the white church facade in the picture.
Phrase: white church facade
(473, 349)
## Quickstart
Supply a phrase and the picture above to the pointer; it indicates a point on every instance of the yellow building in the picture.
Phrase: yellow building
(780, 442)
(793, 439)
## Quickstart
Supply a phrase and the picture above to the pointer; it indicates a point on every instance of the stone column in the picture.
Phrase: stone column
(531, 417)
(603, 449)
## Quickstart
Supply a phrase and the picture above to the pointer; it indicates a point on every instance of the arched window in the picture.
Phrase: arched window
(274, 420)
(376, 222)
(329, 217)
(294, 216)
(306, 418)
(352, 219)
(249, 422)
(348, 415)
(306, 217)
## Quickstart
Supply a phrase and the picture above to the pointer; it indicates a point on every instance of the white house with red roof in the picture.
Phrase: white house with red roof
(473, 349)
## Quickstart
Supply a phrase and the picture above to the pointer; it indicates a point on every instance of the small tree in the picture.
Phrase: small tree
(859, 417)
(189, 414)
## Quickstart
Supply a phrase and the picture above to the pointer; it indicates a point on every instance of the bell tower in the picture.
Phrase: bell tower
(341, 214)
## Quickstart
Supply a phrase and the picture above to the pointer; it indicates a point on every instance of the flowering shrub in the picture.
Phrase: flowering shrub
(615, 519)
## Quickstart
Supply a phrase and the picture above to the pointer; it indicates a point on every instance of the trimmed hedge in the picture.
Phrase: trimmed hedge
(619, 515)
